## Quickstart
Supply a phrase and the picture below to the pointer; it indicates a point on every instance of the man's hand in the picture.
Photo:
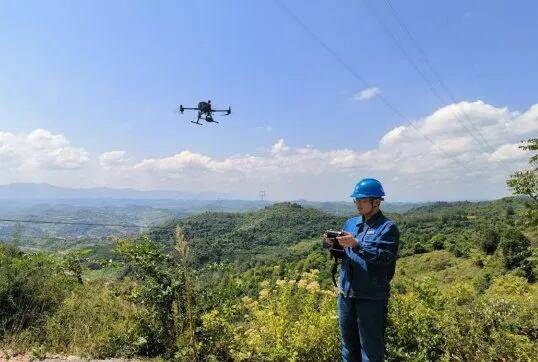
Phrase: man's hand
(347, 240)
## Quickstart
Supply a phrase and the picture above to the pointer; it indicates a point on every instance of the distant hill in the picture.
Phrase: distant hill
(252, 237)
(289, 231)
(265, 222)
(44, 202)
(43, 191)
(500, 207)
(25, 196)
(348, 208)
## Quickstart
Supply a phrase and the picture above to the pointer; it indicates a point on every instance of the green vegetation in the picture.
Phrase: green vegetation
(249, 239)
(526, 183)
(32, 286)
(466, 294)
(95, 320)
(92, 212)
(256, 286)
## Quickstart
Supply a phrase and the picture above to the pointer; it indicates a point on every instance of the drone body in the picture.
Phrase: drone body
(205, 112)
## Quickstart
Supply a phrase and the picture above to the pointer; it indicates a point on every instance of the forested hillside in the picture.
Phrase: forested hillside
(232, 286)
(60, 224)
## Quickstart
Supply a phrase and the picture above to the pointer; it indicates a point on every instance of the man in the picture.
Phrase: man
(368, 264)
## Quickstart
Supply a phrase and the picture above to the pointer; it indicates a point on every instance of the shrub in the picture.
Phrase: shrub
(414, 329)
(157, 288)
(419, 248)
(438, 242)
(458, 324)
(498, 325)
(32, 286)
(288, 321)
(95, 322)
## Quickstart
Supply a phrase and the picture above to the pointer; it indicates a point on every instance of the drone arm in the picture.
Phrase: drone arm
(228, 111)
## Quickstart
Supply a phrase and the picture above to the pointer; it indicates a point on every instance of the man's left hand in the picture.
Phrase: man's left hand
(347, 241)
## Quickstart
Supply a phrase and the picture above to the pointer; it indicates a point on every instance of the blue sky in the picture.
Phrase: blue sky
(108, 76)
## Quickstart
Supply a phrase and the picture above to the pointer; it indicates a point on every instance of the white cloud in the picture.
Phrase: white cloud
(367, 94)
(527, 122)
(508, 152)
(279, 147)
(114, 159)
(456, 167)
(182, 161)
(393, 136)
(40, 149)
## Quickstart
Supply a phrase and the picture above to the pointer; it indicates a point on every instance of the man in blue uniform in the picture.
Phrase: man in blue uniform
(368, 264)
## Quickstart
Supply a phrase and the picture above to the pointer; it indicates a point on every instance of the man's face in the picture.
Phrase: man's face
(366, 206)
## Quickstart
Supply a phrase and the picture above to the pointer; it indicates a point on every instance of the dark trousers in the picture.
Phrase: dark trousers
(362, 328)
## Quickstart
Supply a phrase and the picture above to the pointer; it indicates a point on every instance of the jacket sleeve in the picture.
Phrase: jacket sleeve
(382, 250)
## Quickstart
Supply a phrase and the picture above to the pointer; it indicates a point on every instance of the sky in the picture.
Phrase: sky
(432, 98)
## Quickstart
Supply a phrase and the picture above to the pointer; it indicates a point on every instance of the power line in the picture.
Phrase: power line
(409, 58)
(59, 222)
(27, 221)
(483, 141)
(396, 41)
(65, 239)
(430, 85)
(362, 80)
(35, 237)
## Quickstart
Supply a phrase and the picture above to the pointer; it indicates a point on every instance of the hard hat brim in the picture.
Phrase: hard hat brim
(364, 196)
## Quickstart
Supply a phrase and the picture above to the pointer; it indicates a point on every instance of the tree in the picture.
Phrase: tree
(164, 287)
(516, 252)
(489, 240)
(74, 261)
(157, 289)
(185, 299)
(526, 183)
(438, 241)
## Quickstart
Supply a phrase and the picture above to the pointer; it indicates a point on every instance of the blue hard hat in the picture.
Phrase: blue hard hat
(368, 188)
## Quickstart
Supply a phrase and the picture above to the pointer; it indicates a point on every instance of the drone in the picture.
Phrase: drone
(205, 112)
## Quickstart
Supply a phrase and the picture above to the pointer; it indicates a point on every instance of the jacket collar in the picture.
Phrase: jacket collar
(371, 221)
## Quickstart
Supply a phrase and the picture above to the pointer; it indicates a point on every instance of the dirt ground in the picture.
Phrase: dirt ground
(28, 357)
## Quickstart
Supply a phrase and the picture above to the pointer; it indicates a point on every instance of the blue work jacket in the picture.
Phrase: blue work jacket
(368, 268)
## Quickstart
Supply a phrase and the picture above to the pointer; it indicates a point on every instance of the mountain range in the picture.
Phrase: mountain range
(44, 191)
